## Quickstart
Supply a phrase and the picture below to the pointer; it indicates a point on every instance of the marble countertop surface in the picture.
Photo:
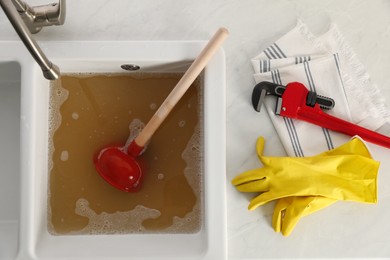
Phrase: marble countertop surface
(345, 229)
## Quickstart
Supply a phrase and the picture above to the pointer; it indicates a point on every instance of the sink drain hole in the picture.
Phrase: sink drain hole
(130, 67)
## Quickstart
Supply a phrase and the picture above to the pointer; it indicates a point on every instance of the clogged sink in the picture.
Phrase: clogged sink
(35, 240)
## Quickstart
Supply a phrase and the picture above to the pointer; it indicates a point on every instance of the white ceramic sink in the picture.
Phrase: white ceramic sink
(24, 174)
(9, 158)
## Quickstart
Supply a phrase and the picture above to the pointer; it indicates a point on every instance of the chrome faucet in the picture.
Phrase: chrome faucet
(27, 20)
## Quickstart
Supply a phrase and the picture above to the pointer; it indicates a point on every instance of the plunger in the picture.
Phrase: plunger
(118, 166)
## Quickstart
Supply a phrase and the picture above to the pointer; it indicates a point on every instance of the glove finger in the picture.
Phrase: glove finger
(260, 146)
(253, 186)
(355, 146)
(262, 199)
(294, 212)
(265, 160)
(249, 176)
(301, 207)
(279, 210)
(289, 221)
(283, 217)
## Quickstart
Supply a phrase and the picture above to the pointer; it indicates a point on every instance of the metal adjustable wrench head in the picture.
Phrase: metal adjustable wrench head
(268, 88)
(262, 89)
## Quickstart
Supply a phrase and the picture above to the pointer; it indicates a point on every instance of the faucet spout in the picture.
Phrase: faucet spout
(50, 71)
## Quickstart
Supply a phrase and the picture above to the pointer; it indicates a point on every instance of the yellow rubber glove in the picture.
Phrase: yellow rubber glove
(349, 177)
(289, 210)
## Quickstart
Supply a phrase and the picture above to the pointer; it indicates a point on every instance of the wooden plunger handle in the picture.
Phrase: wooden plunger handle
(185, 82)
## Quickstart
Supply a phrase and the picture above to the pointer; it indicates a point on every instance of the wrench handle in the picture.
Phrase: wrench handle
(318, 117)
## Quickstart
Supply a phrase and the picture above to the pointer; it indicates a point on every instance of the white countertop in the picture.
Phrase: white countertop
(345, 229)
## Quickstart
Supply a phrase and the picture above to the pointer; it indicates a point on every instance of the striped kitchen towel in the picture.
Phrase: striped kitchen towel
(328, 66)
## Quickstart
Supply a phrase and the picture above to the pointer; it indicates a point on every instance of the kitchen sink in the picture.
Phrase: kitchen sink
(24, 175)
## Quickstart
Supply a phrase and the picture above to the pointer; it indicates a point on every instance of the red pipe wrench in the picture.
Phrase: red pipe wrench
(296, 101)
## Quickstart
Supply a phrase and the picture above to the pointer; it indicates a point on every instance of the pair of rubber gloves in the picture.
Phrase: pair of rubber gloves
(305, 185)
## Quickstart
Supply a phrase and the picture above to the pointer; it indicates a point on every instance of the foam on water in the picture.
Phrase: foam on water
(122, 222)
(135, 128)
(191, 222)
(75, 115)
(64, 156)
(182, 123)
(192, 155)
(114, 223)
(58, 95)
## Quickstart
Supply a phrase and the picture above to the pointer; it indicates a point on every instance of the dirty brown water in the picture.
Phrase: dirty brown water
(91, 111)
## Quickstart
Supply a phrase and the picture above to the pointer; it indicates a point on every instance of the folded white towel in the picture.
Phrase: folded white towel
(328, 66)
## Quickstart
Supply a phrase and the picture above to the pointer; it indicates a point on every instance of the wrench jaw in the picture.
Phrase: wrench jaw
(262, 89)
(279, 105)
